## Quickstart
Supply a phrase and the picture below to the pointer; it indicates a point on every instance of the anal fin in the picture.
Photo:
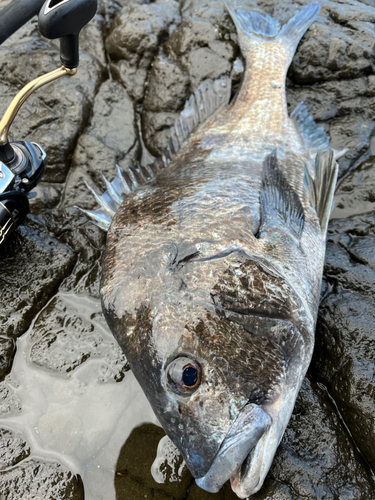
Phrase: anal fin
(281, 207)
(321, 189)
(314, 136)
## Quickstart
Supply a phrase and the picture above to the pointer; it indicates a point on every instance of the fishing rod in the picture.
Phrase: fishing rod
(22, 163)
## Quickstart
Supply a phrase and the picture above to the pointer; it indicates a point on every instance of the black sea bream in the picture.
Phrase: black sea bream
(214, 262)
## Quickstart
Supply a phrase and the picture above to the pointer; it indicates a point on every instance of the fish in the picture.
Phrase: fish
(214, 259)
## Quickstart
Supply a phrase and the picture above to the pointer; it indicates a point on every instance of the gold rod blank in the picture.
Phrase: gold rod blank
(23, 94)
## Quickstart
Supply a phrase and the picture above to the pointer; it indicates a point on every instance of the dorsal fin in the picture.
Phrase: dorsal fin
(209, 97)
(281, 207)
(124, 182)
(322, 189)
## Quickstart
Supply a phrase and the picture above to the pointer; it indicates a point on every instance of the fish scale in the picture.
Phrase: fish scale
(214, 261)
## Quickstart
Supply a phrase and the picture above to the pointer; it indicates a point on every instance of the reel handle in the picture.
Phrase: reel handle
(64, 19)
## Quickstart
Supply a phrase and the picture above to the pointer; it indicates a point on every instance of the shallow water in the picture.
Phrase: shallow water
(75, 419)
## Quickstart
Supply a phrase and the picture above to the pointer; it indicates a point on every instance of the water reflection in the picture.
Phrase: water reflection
(75, 417)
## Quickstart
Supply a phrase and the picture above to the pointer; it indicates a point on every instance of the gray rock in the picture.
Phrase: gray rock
(340, 46)
(7, 351)
(87, 241)
(345, 343)
(317, 458)
(52, 116)
(201, 47)
(135, 460)
(10, 404)
(13, 448)
(356, 194)
(67, 333)
(111, 138)
(135, 35)
(32, 479)
(33, 265)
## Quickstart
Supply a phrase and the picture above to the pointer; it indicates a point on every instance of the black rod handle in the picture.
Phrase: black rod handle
(64, 19)
(16, 14)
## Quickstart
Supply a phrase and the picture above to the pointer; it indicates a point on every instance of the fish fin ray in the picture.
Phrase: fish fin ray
(281, 206)
(296, 27)
(255, 26)
(210, 96)
(322, 189)
(314, 136)
(98, 217)
(125, 181)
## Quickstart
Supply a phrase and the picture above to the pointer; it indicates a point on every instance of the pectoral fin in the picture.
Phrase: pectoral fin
(281, 207)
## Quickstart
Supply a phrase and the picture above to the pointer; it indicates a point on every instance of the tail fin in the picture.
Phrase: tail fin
(254, 26)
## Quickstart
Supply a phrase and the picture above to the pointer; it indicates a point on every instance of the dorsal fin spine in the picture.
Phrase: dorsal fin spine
(209, 97)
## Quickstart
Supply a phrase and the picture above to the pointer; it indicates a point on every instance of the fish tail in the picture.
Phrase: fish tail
(253, 26)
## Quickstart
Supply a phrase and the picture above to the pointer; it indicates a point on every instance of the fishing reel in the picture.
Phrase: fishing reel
(22, 163)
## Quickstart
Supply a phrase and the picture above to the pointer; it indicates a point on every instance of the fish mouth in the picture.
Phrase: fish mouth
(235, 456)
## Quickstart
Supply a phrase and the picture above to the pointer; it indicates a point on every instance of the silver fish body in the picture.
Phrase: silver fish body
(213, 267)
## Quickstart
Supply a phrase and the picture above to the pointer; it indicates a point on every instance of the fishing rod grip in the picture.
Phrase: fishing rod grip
(16, 14)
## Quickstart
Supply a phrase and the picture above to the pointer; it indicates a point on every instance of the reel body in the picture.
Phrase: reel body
(17, 179)
(22, 163)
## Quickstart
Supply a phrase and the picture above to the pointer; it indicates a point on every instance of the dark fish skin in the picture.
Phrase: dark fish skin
(219, 259)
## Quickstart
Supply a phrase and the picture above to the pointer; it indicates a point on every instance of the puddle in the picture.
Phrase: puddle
(75, 418)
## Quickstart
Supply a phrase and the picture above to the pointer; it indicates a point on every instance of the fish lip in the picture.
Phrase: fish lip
(251, 424)
(237, 477)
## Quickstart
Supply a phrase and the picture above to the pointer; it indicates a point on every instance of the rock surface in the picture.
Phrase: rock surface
(34, 479)
(140, 61)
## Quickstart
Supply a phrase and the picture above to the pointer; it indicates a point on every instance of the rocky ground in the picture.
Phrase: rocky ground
(140, 61)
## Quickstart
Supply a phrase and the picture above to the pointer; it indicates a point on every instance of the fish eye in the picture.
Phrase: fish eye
(184, 375)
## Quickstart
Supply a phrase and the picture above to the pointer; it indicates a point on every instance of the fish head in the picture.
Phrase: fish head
(214, 368)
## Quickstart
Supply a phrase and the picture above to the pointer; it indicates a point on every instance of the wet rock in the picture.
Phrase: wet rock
(53, 118)
(200, 48)
(136, 458)
(47, 196)
(168, 87)
(91, 39)
(13, 448)
(345, 341)
(71, 330)
(131, 77)
(9, 401)
(339, 45)
(87, 241)
(135, 35)
(7, 351)
(33, 479)
(353, 133)
(111, 138)
(317, 457)
(33, 265)
(196, 493)
(345, 109)
(356, 194)
(130, 489)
